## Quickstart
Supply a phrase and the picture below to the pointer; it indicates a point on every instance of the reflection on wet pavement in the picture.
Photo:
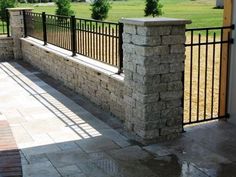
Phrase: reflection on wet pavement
(208, 150)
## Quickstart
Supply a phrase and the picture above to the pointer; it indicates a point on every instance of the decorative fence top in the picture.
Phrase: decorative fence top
(92, 38)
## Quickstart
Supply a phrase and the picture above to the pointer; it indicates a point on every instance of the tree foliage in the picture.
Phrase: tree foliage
(100, 9)
(63, 8)
(153, 7)
(4, 4)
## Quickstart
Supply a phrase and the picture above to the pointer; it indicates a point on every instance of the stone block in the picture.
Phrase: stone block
(172, 113)
(176, 67)
(130, 29)
(175, 86)
(146, 79)
(146, 40)
(172, 58)
(176, 49)
(170, 77)
(178, 30)
(153, 31)
(171, 95)
(146, 98)
(173, 39)
(152, 70)
(173, 103)
(127, 38)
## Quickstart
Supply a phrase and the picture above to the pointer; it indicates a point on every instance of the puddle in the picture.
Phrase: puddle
(170, 166)
(167, 166)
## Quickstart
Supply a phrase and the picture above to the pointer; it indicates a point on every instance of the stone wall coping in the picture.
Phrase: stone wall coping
(159, 21)
(20, 8)
(78, 59)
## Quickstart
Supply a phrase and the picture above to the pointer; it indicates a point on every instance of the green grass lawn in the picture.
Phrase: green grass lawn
(201, 12)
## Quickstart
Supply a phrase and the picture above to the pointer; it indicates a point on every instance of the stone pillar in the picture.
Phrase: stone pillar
(17, 29)
(154, 54)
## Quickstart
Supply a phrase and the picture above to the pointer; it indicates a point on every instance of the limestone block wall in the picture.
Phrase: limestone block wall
(6, 49)
(105, 89)
(154, 54)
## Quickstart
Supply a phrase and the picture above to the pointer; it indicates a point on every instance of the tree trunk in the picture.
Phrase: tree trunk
(220, 3)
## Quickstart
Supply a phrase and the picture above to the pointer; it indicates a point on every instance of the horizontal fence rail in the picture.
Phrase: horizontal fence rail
(203, 70)
(98, 40)
(4, 25)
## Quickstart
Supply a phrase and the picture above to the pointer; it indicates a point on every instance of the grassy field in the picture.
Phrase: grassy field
(201, 12)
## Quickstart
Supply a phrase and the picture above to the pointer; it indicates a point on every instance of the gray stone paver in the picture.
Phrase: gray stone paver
(57, 137)
(97, 144)
(70, 171)
(40, 170)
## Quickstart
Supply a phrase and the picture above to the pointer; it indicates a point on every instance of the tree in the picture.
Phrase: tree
(4, 4)
(153, 7)
(100, 9)
(63, 8)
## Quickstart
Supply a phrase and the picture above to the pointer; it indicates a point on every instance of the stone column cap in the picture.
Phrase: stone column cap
(20, 8)
(159, 21)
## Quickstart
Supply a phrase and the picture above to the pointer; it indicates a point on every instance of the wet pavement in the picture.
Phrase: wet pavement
(59, 134)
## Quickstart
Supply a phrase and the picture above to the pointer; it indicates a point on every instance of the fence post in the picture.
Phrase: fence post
(154, 54)
(18, 28)
(73, 35)
(120, 64)
(8, 23)
(25, 24)
(44, 28)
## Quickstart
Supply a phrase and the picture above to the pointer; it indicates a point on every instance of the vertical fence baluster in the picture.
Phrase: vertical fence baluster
(44, 28)
(25, 24)
(112, 48)
(206, 67)
(73, 35)
(120, 65)
(199, 74)
(213, 75)
(117, 45)
(230, 41)
(221, 55)
(8, 23)
(105, 47)
(191, 76)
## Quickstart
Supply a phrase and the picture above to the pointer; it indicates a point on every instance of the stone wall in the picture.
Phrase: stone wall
(6, 48)
(103, 87)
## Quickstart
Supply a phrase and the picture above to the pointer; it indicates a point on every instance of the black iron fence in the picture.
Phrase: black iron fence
(206, 48)
(95, 39)
(4, 25)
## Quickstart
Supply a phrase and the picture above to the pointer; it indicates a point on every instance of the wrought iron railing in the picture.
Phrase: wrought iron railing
(4, 25)
(206, 50)
(98, 40)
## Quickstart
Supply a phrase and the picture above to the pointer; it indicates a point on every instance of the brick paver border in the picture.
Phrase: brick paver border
(10, 159)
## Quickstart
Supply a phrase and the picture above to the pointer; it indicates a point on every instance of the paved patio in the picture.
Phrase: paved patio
(56, 137)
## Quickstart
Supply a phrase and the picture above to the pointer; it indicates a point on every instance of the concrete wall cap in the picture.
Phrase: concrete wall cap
(159, 21)
(19, 9)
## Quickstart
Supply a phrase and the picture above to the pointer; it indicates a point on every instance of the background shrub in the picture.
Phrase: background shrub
(153, 7)
(63, 8)
(6, 4)
(100, 9)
